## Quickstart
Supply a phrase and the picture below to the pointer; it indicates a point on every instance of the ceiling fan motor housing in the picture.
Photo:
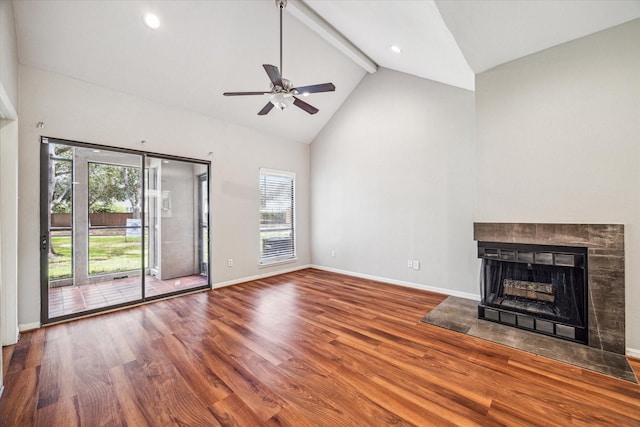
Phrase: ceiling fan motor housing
(286, 87)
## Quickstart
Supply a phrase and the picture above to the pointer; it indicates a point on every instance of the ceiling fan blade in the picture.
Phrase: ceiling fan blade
(304, 106)
(274, 75)
(324, 87)
(245, 93)
(265, 109)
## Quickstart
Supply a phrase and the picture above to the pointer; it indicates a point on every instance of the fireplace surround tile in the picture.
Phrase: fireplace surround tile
(604, 262)
(526, 231)
(605, 244)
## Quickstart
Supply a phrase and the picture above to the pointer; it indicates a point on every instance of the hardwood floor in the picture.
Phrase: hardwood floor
(308, 348)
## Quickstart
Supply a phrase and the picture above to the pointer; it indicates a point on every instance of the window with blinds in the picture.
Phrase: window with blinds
(277, 216)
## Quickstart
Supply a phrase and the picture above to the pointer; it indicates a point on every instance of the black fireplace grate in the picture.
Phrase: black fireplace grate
(535, 287)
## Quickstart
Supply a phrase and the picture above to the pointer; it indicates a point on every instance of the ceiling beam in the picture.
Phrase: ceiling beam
(315, 22)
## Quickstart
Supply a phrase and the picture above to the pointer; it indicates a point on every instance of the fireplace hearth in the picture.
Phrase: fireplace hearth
(539, 288)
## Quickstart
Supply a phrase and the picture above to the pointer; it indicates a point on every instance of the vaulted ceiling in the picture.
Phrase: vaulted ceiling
(204, 48)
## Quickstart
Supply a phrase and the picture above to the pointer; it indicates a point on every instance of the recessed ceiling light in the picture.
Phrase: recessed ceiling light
(395, 49)
(151, 21)
(305, 94)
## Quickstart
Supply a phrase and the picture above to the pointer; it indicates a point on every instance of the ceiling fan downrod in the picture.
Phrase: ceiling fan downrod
(281, 5)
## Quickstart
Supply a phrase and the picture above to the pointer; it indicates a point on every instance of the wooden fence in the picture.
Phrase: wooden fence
(115, 219)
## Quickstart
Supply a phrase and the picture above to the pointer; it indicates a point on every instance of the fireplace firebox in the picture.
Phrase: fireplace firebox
(536, 287)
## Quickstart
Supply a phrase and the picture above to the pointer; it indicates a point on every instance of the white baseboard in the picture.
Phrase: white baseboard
(633, 352)
(258, 276)
(23, 327)
(444, 291)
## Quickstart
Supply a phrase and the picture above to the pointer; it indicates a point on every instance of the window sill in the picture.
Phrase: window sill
(276, 263)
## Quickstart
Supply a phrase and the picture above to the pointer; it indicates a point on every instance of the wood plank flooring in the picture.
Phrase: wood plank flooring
(308, 348)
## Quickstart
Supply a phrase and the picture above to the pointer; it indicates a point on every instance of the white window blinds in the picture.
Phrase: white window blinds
(277, 216)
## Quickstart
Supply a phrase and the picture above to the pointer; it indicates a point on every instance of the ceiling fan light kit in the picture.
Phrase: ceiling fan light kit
(281, 100)
(283, 93)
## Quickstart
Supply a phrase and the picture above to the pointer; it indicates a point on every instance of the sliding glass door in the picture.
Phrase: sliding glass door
(119, 227)
(173, 206)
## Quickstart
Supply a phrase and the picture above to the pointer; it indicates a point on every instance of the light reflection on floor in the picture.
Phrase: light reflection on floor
(276, 304)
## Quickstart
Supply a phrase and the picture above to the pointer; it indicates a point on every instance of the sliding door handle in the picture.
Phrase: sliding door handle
(43, 242)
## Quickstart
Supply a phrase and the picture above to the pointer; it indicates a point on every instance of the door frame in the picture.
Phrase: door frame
(201, 240)
(44, 235)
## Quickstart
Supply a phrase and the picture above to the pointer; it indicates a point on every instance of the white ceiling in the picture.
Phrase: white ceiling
(491, 33)
(428, 47)
(204, 48)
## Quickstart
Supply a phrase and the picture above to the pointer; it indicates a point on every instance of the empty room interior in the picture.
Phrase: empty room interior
(320, 213)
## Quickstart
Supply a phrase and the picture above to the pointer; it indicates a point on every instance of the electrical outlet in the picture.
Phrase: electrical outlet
(333, 253)
(416, 265)
(410, 263)
(230, 262)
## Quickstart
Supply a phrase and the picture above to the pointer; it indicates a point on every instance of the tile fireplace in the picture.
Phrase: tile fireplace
(564, 280)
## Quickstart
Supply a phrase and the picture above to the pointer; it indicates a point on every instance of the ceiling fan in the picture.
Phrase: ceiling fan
(282, 92)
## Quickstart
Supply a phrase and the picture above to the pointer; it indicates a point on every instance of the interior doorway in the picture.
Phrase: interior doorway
(119, 227)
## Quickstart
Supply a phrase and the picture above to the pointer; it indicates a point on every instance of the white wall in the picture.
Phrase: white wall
(9, 231)
(8, 172)
(8, 178)
(8, 54)
(393, 179)
(80, 111)
(559, 141)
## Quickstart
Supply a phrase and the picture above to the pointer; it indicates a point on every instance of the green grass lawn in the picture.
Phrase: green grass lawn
(107, 254)
(266, 234)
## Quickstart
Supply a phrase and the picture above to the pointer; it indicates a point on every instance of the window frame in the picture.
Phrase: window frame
(285, 258)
